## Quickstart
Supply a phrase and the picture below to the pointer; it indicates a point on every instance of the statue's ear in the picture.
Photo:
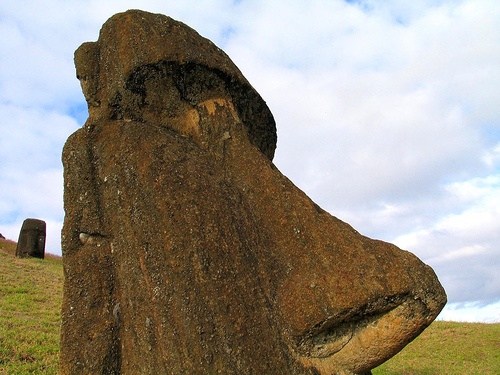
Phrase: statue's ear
(87, 71)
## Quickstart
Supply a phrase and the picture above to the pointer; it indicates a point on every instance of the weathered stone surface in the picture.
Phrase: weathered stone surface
(186, 251)
(31, 241)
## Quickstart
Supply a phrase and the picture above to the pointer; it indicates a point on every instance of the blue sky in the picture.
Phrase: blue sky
(388, 116)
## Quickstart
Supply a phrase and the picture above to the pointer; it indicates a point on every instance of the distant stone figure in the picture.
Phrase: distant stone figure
(187, 252)
(31, 241)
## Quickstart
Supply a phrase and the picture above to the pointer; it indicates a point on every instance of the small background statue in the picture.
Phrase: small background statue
(31, 241)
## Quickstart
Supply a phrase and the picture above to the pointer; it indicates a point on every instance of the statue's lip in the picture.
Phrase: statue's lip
(332, 334)
(357, 341)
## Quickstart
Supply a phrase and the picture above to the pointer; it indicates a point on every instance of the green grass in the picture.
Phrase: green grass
(30, 300)
(30, 303)
(449, 348)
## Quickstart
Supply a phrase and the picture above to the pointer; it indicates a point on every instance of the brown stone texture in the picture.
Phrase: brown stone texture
(187, 252)
(31, 241)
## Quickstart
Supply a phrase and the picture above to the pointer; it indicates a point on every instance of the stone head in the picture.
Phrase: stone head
(31, 239)
(187, 251)
(152, 68)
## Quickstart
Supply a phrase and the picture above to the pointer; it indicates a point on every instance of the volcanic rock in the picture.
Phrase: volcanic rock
(187, 252)
(31, 241)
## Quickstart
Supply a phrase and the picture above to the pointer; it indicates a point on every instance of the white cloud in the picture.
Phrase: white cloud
(363, 98)
(463, 247)
(31, 171)
(471, 312)
(492, 156)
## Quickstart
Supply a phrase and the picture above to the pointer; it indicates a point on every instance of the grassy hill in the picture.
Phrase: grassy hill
(30, 300)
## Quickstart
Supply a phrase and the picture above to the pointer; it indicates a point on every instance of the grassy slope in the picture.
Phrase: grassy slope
(30, 300)
(449, 348)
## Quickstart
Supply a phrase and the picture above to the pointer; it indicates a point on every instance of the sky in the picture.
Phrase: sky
(388, 116)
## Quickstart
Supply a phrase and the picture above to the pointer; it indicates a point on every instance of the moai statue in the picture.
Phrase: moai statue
(32, 239)
(186, 251)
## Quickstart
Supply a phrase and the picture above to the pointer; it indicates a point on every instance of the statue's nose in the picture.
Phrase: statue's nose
(351, 308)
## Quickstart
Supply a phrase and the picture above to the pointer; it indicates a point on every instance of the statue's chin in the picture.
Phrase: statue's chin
(357, 344)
